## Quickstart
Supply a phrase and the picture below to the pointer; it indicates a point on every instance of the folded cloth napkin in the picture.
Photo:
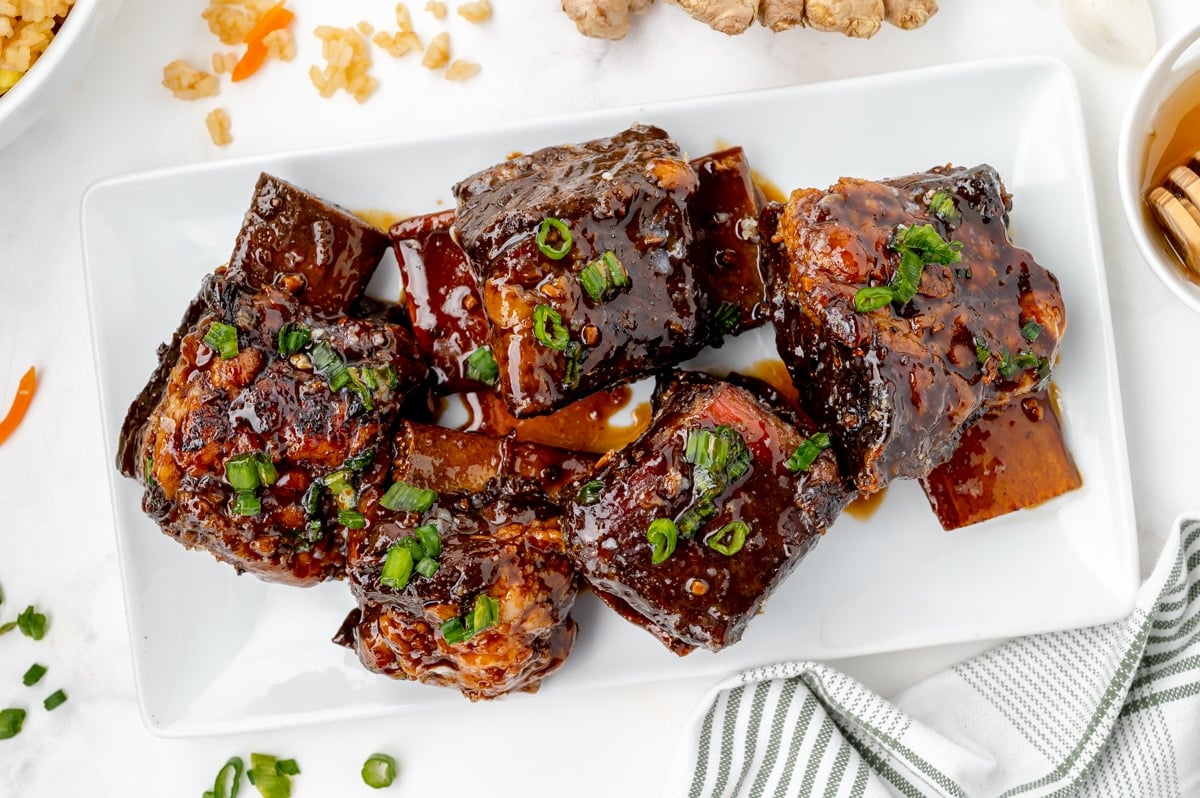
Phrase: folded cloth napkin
(1109, 710)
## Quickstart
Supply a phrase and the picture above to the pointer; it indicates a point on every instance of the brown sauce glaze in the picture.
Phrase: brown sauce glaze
(582, 426)
(864, 507)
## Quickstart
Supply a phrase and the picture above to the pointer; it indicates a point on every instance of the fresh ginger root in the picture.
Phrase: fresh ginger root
(609, 19)
(603, 19)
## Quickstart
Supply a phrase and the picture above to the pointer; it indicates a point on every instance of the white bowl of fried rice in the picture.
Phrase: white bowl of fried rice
(44, 45)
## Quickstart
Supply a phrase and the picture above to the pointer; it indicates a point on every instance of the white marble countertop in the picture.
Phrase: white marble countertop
(56, 537)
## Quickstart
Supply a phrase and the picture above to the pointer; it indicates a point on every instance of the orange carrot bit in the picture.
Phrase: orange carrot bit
(25, 389)
(276, 18)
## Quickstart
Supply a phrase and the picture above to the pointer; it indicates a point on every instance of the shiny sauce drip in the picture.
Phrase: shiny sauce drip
(582, 426)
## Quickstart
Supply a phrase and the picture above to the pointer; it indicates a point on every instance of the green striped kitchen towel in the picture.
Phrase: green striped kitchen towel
(1109, 710)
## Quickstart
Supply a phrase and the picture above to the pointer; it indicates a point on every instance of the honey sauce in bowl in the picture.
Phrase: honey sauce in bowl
(1171, 184)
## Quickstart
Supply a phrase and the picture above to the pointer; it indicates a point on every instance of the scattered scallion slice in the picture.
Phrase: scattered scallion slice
(729, 539)
(404, 498)
(571, 367)
(427, 567)
(352, 519)
(33, 675)
(268, 778)
(379, 771)
(662, 534)
(693, 519)
(430, 540)
(872, 298)
(482, 367)
(32, 623)
(982, 353)
(55, 700)
(223, 338)
(242, 472)
(807, 452)
(312, 499)
(397, 568)
(266, 469)
(454, 632)
(1031, 331)
(288, 767)
(330, 365)
(706, 449)
(945, 208)
(917, 245)
(293, 338)
(7, 627)
(11, 721)
(594, 281)
(229, 779)
(485, 614)
(548, 225)
(618, 275)
(148, 470)
(361, 461)
(725, 319)
(589, 492)
(548, 328)
(246, 503)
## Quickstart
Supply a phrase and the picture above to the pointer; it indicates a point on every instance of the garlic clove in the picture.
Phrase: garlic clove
(1119, 30)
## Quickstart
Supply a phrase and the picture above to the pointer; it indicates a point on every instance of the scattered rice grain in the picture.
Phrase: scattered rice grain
(218, 127)
(365, 28)
(280, 44)
(438, 53)
(223, 63)
(186, 82)
(231, 20)
(403, 18)
(397, 45)
(437, 9)
(348, 61)
(476, 11)
(26, 30)
(461, 70)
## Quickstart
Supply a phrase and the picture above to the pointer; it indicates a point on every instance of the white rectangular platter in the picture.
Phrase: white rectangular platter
(214, 652)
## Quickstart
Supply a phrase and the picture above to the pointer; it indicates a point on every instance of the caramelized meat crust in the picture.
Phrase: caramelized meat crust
(699, 596)
(897, 385)
(212, 409)
(627, 195)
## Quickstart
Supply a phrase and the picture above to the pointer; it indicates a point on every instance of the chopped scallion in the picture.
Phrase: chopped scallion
(454, 632)
(32, 623)
(729, 539)
(485, 614)
(33, 675)
(266, 469)
(427, 567)
(945, 208)
(11, 721)
(872, 298)
(662, 534)
(352, 519)
(330, 365)
(594, 280)
(397, 568)
(288, 767)
(617, 273)
(223, 338)
(404, 498)
(242, 472)
(571, 367)
(693, 519)
(725, 318)
(589, 492)
(361, 461)
(430, 540)
(293, 338)
(549, 225)
(379, 771)
(1031, 331)
(246, 503)
(548, 328)
(982, 353)
(55, 700)
(706, 449)
(808, 451)
(482, 367)
(229, 779)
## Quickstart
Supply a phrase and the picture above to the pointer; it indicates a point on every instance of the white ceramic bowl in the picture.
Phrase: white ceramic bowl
(1172, 65)
(63, 61)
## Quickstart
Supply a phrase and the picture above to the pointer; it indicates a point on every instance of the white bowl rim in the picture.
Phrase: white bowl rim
(12, 101)
(1134, 129)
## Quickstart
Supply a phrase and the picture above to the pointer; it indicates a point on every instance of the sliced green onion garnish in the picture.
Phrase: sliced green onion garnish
(662, 534)
(738, 460)
(268, 777)
(312, 532)
(312, 499)
(11, 721)
(427, 567)
(404, 498)
(229, 779)
(729, 539)
(32, 623)
(543, 238)
(379, 771)
(55, 700)
(982, 353)
(618, 275)
(288, 767)
(246, 503)
(594, 281)
(554, 335)
(7, 627)
(706, 449)
(364, 391)
(486, 613)
(293, 338)
(725, 318)
(571, 367)
(807, 452)
(352, 519)
(33, 675)
(872, 298)
(338, 481)
(242, 472)
(945, 208)
(454, 632)
(223, 338)
(330, 365)
(1031, 331)
(430, 540)
(397, 568)
(266, 469)
(693, 519)
(414, 546)
(482, 367)
(361, 461)
(148, 470)
(589, 492)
